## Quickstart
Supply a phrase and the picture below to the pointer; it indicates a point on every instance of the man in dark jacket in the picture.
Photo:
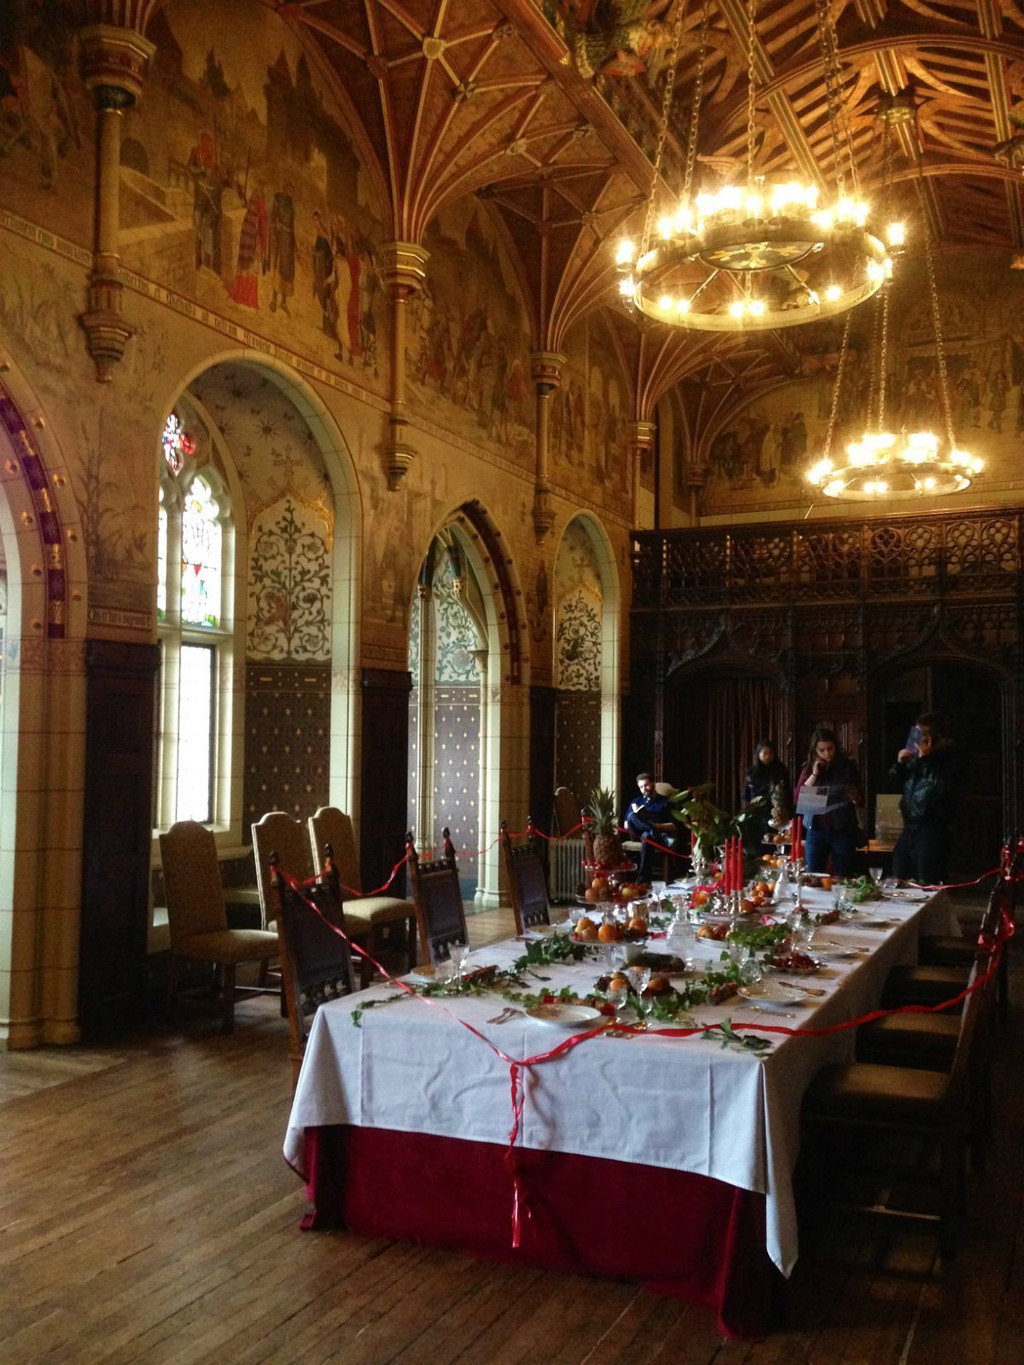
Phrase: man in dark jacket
(929, 776)
(649, 818)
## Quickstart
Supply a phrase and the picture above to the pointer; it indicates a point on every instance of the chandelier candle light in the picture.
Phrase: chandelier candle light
(896, 465)
(762, 255)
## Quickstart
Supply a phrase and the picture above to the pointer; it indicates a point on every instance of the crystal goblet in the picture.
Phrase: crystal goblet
(458, 953)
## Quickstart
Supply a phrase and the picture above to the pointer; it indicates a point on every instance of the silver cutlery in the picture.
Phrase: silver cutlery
(509, 1012)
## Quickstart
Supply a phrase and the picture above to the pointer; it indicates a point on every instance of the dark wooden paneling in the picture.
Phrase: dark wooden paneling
(384, 774)
(542, 755)
(117, 831)
(836, 610)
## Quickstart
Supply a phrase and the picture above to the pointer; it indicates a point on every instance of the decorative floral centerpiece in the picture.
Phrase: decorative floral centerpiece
(710, 825)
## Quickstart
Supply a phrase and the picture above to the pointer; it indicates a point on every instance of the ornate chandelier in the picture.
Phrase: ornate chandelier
(757, 256)
(889, 465)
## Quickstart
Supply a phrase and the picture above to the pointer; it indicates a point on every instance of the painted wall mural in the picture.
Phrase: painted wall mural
(469, 338)
(756, 459)
(589, 415)
(46, 119)
(241, 188)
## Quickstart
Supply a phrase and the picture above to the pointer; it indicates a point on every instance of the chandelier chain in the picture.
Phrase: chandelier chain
(751, 84)
(834, 411)
(837, 117)
(883, 362)
(933, 293)
(876, 333)
(698, 94)
(666, 106)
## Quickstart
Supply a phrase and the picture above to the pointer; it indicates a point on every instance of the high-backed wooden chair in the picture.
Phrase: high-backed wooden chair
(437, 895)
(198, 919)
(289, 839)
(527, 882)
(860, 1097)
(391, 919)
(316, 963)
(278, 833)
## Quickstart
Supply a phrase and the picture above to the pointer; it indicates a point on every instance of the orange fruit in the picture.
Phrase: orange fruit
(826, 883)
(608, 933)
(591, 896)
(700, 898)
(637, 925)
(599, 883)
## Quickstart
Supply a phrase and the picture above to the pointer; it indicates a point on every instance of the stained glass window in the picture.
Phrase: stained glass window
(178, 445)
(197, 650)
(201, 545)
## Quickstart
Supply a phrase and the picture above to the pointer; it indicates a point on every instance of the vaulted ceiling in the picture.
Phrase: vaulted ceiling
(549, 110)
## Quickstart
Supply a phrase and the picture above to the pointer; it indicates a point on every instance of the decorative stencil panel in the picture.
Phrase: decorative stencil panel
(578, 612)
(457, 776)
(578, 742)
(290, 583)
(287, 739)
(456, 634)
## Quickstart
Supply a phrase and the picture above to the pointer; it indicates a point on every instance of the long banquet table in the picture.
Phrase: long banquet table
(665, 1160)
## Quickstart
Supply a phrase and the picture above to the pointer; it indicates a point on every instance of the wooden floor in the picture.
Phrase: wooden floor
(146, 1215)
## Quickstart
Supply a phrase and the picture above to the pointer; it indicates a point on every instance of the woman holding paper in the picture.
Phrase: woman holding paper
(826, 795)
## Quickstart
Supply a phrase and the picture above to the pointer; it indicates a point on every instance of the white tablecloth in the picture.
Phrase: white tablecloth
(683, 1104)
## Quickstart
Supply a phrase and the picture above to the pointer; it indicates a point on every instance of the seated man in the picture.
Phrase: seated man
(650, 820)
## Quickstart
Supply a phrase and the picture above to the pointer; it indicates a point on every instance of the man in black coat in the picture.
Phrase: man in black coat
(929, 777)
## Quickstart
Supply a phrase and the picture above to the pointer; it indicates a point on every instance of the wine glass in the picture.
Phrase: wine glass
(444, 974)
(639, 979)
(875, 873)
(457, 954)
(751, 970)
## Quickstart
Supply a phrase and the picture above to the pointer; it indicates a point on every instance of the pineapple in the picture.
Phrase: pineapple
(780, 806)
(607, 842)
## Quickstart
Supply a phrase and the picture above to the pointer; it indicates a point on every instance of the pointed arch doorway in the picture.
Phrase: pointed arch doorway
(468, 718)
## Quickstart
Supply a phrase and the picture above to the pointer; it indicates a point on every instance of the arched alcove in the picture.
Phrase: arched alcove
(468, 713)
(298, 536)
(586, 604)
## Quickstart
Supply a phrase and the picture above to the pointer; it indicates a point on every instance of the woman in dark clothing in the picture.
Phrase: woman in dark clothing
(836, 830)
(766, 776)
(929, 778)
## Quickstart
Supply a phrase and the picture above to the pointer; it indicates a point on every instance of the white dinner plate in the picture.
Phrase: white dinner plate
(422, 976)
(565, 1016)
(770, 995)
(546, 930)
(837, 950)
(876, 923)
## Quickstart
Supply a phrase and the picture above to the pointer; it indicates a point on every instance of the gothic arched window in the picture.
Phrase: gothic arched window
(194, 626)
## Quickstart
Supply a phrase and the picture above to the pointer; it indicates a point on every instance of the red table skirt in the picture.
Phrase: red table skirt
(682, 1235)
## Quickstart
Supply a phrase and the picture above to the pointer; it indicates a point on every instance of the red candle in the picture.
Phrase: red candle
(739, 862)
(798, 831)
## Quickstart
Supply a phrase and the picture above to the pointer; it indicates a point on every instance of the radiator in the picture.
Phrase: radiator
(566, 868)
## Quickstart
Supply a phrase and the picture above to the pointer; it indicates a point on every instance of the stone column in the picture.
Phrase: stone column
(695, 476)
(115, 61)
(404, 270)
(425, 719)
(546, 372)
(641, 438)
